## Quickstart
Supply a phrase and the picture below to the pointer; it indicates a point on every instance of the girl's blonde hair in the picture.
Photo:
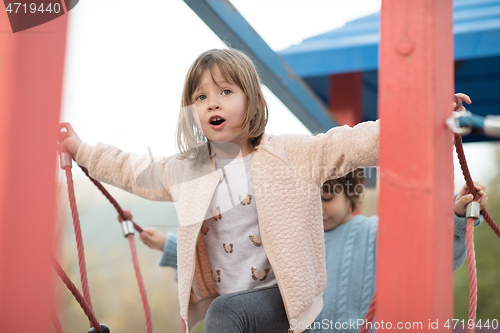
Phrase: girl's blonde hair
(237, 68)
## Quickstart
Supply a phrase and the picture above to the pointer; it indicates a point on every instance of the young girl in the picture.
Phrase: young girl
(249, 205)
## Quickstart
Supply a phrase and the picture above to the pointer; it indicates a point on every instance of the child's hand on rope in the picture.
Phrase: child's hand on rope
(153, 238)
(68, 140)
(459, 99)
(463, 198)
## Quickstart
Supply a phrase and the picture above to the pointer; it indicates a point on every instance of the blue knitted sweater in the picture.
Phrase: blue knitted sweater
(350, 266)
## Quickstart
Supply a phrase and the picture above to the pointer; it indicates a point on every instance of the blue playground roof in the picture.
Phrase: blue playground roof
(354, 48)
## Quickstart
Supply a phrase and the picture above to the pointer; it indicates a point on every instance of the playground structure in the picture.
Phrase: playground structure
(342, 65)
(416, 75)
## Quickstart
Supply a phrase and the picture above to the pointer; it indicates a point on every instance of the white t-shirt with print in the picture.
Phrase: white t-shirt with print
(231, 232)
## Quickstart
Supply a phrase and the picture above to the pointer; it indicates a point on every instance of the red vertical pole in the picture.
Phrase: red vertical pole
(414, 268)
(346, 98)
(31, 74)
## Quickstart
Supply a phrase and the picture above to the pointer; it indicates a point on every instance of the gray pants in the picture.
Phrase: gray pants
(250, 311)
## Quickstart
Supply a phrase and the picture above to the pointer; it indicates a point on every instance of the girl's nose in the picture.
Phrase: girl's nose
(213, 104)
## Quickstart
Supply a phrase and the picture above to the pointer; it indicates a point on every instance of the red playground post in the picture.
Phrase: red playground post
(347, 106)
(31, 75)
(414, 262)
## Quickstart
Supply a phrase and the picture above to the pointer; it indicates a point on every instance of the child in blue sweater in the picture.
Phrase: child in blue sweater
(350, 243)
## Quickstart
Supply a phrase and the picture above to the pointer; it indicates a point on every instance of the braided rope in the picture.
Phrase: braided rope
(471, 259)
(471, 255)
(140, 282)
(470, 183)
(85, 301)
(122, 214)
(78, 296)
(490, 222)
(79, 239)
(125, 215)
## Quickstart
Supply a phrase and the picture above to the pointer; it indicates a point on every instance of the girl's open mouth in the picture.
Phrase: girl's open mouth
(217, 122)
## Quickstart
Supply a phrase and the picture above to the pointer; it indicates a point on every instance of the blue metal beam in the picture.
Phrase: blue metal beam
(236, 32)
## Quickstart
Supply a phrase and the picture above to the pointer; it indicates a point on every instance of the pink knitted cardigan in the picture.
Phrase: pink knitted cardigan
(288, 172)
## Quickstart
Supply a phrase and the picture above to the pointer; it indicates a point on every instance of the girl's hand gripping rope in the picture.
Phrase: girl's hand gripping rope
(69, 141)
(459, 99)
(464, 197)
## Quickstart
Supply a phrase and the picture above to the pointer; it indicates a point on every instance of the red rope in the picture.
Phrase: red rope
(122, 214)
(140, 282)
(79, 298)
(79, 240)
(125, 215)
(370, 315)
(470, 183)
(471, 259)
(490, 222)
(85, 301)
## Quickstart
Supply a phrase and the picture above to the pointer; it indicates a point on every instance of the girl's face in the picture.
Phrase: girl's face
(336, 209)
(219, 106)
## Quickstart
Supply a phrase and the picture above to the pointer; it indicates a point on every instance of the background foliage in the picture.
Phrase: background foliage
(487, 248)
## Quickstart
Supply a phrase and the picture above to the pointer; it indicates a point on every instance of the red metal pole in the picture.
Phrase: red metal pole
(414, 267)
(31, 75)
(346, 98)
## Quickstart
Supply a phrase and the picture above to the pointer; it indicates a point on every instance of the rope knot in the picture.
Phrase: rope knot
(127, 216)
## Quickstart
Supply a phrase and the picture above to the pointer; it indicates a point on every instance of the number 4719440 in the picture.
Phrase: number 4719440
(56, 8)
(453, 323)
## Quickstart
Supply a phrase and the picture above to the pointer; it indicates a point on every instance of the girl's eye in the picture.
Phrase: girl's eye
(226, 92)
(326, 199)
(201, 98)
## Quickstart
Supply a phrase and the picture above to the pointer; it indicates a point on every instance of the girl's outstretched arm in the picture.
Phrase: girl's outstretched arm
(333, 154)
(340, 150)
(138, 174)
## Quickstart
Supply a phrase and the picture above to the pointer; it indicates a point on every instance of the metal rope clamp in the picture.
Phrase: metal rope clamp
(472, 209)
(127, 228)
(453, 125)
(65, 160)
